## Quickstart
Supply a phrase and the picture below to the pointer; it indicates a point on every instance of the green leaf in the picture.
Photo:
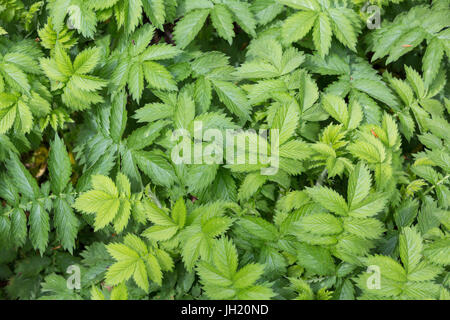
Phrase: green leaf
(248, 275)
(119, 292)
(133, 260)
(250, 185)
(298, 25)
(438, 252)
(189, 26)
(121, 252)
(160, 232)
(389, 268)
(410, 247)
(66, 224)
(344, 26)
(140, 276)
(154, 269)
(158, 77)
(222, 280)
(118, 116)
(233, 97)
(373, 204)
(368, 228)
(322, 34)
(243, 16)
(329, 199)
(432, 60)
(121, 271)
(104, 205)
(39, 227)
(157, 215)
(160, 51)
(358, 185)
(86, 60)
(225, 257)
(286, 121)
(222, 21)
(59, 166)
(184, 112)
(136, 81)
(156, 11)
(315, 259)
(7, 112)
(15, 77)
(321, 223)
(256, 293)
(179, 213)
(156, 167)
(23, 180)
(18, 227)
(336, 107)
(55, 287)
(260, 228)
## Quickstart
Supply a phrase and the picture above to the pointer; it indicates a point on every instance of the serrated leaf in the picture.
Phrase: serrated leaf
(189, 26)
(59, 166)
(329, 199)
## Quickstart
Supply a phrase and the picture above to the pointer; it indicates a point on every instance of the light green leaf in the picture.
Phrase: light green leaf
(189, 26)
(222, 21)
(329, 199)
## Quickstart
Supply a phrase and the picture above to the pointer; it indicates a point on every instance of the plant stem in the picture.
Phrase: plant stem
(438, 183)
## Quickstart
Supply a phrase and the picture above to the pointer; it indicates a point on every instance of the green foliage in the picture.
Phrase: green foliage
(324, 18)
(108, 201)
(223, 280)
(223, 13)
(135, 259)
(412, 279)
(410, 29)
(92, 93)
(80, 89)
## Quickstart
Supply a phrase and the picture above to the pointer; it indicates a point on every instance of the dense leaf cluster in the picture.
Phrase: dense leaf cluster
(92, 90)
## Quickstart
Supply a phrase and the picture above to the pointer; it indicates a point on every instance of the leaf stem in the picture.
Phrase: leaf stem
(438, 183)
